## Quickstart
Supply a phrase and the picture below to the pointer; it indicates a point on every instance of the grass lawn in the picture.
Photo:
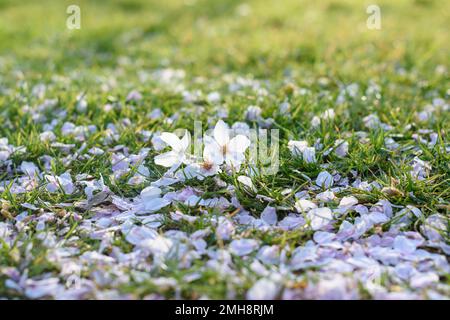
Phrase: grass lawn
(93, 206)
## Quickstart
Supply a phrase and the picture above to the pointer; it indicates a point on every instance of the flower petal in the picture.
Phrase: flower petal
(172, 140)
(186, 140)
(167, 159)
(240, 143)
(154, 204)
(212, 151)
(150, 193)
(234, 159)
(221, 133)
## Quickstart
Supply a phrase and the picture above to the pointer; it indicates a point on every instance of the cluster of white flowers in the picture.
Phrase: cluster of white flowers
(219, 150)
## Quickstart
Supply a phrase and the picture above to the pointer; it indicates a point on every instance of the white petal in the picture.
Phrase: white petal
(234, 159)
(297, 147)
(348, 201)
(341, 148)
(138, 234)
(263, 289)
(221, 133)
(239, 144)
(29, 168)
(320, 217)
(323, 237)
(155, 204)
(150, 193)
(186, 140)
(172, 140)
(167, 159)
(324, 180)
(224, 229)
(269, 215)
(247, 182)
(243, 247)
(190, 172)
(212, 151)
(304, 205)
(404, 245)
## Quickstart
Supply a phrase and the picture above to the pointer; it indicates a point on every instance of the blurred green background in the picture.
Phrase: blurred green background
(264, 38)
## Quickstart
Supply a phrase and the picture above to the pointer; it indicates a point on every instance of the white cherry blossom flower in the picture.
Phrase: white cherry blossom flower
(209, 166)
(223, 149)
